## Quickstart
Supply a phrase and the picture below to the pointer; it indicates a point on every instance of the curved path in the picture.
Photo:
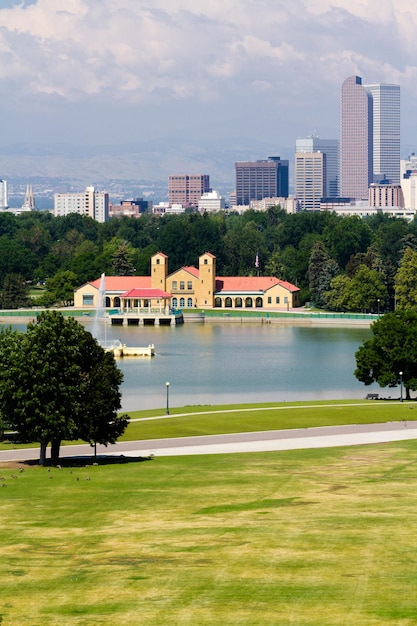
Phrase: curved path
(266, 441)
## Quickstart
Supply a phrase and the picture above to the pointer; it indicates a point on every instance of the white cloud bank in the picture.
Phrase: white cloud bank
(159, 52)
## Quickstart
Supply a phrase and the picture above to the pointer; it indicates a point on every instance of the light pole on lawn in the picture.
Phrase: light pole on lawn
(167, 386)
(401, 386)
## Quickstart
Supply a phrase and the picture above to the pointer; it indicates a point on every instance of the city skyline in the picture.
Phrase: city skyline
(99, 73)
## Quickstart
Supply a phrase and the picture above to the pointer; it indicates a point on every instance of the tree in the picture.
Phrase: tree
(101, 422)
(321, 271)
(363, 292)
(391, 350)
(59, 289)
(15, 292)
(406, 281)
(55, 380)
(122, 261)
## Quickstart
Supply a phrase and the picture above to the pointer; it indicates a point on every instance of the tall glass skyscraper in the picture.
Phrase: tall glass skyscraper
(386, 131)
(369, 136)
(356, 148)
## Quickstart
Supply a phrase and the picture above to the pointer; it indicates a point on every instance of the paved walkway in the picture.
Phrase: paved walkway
(267, 441)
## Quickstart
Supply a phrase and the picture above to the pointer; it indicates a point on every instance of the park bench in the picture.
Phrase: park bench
(372, 396)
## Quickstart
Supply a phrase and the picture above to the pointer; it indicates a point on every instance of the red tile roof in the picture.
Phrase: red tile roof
(251, 283)
(123, 283)
(191, 270)
(148, 294)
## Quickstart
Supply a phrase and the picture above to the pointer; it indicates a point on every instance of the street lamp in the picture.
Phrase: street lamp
(378, 305)
(401, 386)
(167, 385)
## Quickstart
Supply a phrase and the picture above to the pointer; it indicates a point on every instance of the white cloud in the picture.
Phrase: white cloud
(159, 51)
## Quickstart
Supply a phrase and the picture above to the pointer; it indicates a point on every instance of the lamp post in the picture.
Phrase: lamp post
(378, 305)
(401, 386)
(167, 386)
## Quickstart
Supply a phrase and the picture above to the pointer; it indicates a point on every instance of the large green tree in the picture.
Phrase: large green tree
(15, 294)
(57, 383)
(406, 281)
(390, 356)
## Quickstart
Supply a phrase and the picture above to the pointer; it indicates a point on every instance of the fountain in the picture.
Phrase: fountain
(118, 348)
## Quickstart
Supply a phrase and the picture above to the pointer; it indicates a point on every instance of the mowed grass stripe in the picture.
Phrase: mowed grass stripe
(315, 537)
(260, 418)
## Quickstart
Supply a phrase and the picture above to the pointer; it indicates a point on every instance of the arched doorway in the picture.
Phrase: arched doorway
(217, 302)
(228, 302)
(238, 303)
(259, 302)
(248, 303)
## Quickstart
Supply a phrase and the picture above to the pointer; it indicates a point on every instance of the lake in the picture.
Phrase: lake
(217, 363)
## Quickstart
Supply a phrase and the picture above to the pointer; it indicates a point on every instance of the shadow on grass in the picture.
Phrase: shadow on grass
(84, 461)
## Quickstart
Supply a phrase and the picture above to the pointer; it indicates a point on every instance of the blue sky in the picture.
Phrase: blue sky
(125, 71)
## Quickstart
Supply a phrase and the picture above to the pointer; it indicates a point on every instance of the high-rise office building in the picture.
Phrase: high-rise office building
(92, 203)
(386, 131)
(316, 171)
(3, 195)
(369, 136)
(310, 179)
(256, 180)
(356, 146)
(187, 189)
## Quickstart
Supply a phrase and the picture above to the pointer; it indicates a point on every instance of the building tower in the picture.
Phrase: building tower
(256, 180)
(356, 145)
(207, 280)
(159, 271)
(187, 189)
(386, 131)
(4, 203)
(29, 201)
(310, 179)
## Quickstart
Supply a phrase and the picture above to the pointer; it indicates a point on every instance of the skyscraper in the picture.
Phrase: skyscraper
(310, 179)
(356, 146)
(386, 131)
(256, 180)
(316, 171)
(187, 189)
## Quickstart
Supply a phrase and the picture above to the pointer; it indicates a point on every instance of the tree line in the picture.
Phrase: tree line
(339, 263)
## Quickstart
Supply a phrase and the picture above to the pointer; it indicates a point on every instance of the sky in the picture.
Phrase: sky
(92, 72)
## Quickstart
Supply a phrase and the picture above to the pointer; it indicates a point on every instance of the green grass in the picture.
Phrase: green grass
(211, 420)
(307, 538)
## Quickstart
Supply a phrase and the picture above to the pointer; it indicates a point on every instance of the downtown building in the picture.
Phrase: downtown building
(316, 171)
(187, 189)
(369, 136)
(256, 180)
(90, 203)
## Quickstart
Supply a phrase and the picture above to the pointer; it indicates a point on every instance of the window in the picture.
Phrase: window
(205, 261)
(238, 303)
(189, 285)
(182, 285)
(277, 300)
(88, 300)
(174, 303)
(189, 303)
(228, 302)
(157, 261)
(182, 303)
(285, 300)
(217, 301)
(269, 300)
(174, 285)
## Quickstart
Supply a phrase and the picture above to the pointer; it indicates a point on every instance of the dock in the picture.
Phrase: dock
(145, 317)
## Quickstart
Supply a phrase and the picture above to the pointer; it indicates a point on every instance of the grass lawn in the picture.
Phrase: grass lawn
(211, 420)
(307, 538)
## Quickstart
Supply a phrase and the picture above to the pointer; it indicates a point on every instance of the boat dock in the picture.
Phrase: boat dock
(145, 318)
